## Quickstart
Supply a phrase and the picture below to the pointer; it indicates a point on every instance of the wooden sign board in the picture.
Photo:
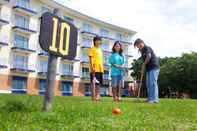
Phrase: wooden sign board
(57, 36)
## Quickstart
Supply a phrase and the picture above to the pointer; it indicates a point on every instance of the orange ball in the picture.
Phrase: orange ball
(116, 111)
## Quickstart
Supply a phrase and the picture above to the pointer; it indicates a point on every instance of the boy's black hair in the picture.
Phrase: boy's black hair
(138, 41)
(96, 38)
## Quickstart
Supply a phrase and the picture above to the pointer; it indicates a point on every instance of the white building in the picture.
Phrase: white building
(23, 64)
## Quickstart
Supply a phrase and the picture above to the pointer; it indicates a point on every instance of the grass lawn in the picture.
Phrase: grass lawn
(23, 113)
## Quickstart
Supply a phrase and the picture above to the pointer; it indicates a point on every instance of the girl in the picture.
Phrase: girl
(117, 61)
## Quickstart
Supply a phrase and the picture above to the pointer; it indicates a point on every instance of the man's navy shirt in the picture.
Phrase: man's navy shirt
(153, 62)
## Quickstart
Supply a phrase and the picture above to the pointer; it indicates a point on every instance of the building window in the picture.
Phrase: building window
(87, 90)
(43, 51)
(2, 60)
(126, 60)
(19, 82)
(106, 59)
(104, 91)
(87, 27)
(66, 87)
(105, 45)
(71, 20)
(22, 21)
(85, 72)
(42, 85)
(119, 36)
(104, 33)
(85, 57)
(23, 3)
(67, 69)
(20, 62)
(43, 65)
(106, 75)
(86, 42)
(20, 41)
(45, 9)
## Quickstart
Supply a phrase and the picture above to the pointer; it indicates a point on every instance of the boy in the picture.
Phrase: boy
(151, 64)
(96, 68)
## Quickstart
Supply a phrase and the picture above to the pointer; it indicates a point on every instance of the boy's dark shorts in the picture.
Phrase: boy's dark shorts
(99, 77)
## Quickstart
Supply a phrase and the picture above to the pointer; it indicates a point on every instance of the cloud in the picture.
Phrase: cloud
(169, 27)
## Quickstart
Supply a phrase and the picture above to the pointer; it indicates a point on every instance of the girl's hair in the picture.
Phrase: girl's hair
(113, 48)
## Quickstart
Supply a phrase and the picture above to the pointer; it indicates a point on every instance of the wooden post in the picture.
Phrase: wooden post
(51, 78)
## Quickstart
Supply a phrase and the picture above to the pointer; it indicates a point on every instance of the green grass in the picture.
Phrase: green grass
(23, 113)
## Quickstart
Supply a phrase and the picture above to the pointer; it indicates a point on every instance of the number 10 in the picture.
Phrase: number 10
(54, 37)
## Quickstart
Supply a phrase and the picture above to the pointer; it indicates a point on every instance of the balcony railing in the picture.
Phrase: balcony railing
(21, 68)
(3, 22)
(24, 10)
(22, 49)
(3, 2)
(3, 44)
(24, 30)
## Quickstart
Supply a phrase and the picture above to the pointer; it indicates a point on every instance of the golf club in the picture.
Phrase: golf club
(140, 85)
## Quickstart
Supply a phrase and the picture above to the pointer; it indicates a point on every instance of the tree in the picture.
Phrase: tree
(177, 73)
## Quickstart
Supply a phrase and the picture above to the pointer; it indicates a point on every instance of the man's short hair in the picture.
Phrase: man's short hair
(138, 41)
(96, 38)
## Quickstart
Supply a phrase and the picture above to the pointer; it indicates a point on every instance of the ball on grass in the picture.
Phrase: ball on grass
(116, 111)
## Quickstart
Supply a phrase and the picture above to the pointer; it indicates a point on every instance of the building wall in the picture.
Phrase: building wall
(29, 78)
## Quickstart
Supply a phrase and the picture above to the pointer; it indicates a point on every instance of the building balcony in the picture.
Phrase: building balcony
(3, 2)
(106, 64)
(42, 92)
(85, 61)
(3, 22)
(106, 78)
(86, 46)
(77, 59)
(22, 49)
(104, 92)
(87, 93)
(74, 60)
(67, 93)
(23, 30)
(44, 54)
(3, 44)
(106, 82)
(129, 55)
(85, 77)
(42, 73)
(24, 10)
(107, 51)
(19, 91)
(125, 42)
(2, 66)
(107, 37)
(2, 63)
(69, 75)
(90, 33)
(21, 70)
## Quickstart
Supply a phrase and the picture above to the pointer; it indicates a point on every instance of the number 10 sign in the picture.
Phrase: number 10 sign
(57, 36)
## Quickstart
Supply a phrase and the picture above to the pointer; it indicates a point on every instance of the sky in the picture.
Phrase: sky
(168, 26)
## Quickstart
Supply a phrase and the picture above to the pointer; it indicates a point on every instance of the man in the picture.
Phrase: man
(151, 65)
(96, 67)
